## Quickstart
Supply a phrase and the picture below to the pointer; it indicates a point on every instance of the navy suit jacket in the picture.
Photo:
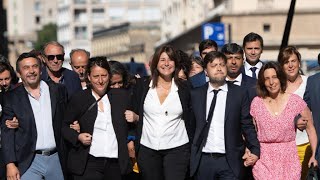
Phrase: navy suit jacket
(238, 122)
(71, 80)
(19, 145)
(312, 98)
(250, 84)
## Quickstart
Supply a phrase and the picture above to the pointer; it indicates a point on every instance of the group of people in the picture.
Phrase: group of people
(216, 116)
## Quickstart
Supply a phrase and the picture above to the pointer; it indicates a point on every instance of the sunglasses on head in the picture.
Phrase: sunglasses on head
(58, 56)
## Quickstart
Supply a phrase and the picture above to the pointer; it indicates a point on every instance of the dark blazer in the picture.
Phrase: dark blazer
(312, 98)
(79, 103)
(19, 144)
(238, 122)
(250, 84)
(70, 79)
(137, 101)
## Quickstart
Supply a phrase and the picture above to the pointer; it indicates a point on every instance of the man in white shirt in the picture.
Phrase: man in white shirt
(218, 146)
(253, 47)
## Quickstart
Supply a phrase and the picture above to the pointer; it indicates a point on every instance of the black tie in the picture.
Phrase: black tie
(204, 133)
(253, 69)
(232, 82)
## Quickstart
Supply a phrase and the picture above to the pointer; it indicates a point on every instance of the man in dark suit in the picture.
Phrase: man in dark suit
(53, 70)
(312, 98)
(253, 48)
(218, 145)
(234, 54)
(33, 150)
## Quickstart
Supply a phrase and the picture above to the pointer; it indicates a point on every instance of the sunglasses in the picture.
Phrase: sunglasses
(58, 56)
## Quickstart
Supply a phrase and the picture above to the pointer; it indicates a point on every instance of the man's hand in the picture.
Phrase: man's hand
(314, 161)
(12, 172)
(302, 123)
(131, 116)
(12, 123)
(75, 126)
(85, 138)
(131, 150)
(249, 158)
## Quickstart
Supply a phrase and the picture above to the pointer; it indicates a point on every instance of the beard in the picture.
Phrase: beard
(217, 80)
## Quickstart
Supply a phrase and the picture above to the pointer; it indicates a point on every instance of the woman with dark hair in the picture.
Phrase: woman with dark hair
(99, 150)
(290, 61)
(163, 131)
(274, 111)
(119, 78)
(196, 65)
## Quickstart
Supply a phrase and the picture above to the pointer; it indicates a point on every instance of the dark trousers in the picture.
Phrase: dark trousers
(169, 164)
(2, 167)
(99, 168)
(214, 166)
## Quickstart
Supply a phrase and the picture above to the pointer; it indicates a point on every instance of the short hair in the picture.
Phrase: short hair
(208, 43)
(252, 37)
(55, 43)
(232, 48)
(117, 67)
(261, 88)
(171, 52)
(25, 56)
(319, 58)
(197, 60)
(285, 54)
(79, 50)
(184, 62)
(211, 56)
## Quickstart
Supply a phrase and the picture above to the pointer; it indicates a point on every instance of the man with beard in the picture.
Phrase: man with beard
(34, 149)
(79, 60)
(253, 47)
(234, 54)
(53, 70)
(218, 146)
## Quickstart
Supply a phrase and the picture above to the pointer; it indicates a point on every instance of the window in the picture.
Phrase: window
(134, 15)
(37, 6)
(81, 32)
(116, 13)
(37, 19)
(266, 27)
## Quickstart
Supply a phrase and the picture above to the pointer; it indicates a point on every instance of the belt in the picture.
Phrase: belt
(46, 152)
(214, 155)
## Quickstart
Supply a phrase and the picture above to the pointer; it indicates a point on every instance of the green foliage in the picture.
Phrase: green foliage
(46, 34)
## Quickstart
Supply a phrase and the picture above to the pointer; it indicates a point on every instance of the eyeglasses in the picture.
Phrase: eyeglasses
(58, 56)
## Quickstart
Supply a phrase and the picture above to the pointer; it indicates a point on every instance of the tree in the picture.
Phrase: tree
(46, 34)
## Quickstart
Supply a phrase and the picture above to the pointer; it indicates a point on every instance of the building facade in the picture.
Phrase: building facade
(79, 19)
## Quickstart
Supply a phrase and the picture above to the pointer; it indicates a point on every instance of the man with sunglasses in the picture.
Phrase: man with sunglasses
(53, 70)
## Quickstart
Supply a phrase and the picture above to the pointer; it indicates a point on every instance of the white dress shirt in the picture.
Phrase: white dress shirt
(163, 126)
(43, 118)
(215, 141)
(104, 142)
(247, 67)
(238, 80)
(302, 136)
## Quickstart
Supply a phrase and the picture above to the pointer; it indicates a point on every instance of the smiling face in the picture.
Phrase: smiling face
(166, 66)
(29, 72)
(271, 81)
(291, 67)
(216, 70)
(99, 78)
(253, 51)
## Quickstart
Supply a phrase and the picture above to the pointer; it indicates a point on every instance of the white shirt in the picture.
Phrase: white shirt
(43, 118)
(247, 67)
(302, 136)
(163, 126)
(238, 80)
(215, 141)
(104, 142)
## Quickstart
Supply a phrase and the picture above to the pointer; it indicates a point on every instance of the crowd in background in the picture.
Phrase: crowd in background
(225, 114)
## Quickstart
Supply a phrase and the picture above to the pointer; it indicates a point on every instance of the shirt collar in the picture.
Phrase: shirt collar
(42, 86)
(224, 88)
(247, 66)
(238, 79)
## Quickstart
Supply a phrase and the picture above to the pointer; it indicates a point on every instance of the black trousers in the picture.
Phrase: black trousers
(2, 167)
(214, 167)
(99, 168)
(169, 164)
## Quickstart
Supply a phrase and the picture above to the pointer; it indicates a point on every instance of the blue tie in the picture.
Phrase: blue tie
(253, 69)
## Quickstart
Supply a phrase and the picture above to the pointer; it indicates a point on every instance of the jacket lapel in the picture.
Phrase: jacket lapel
(228, 102)
(53, 97)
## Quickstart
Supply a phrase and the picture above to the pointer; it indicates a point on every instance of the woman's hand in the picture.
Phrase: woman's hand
(85, 138)
(314, 161)
(131, 116)
(75, 126)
